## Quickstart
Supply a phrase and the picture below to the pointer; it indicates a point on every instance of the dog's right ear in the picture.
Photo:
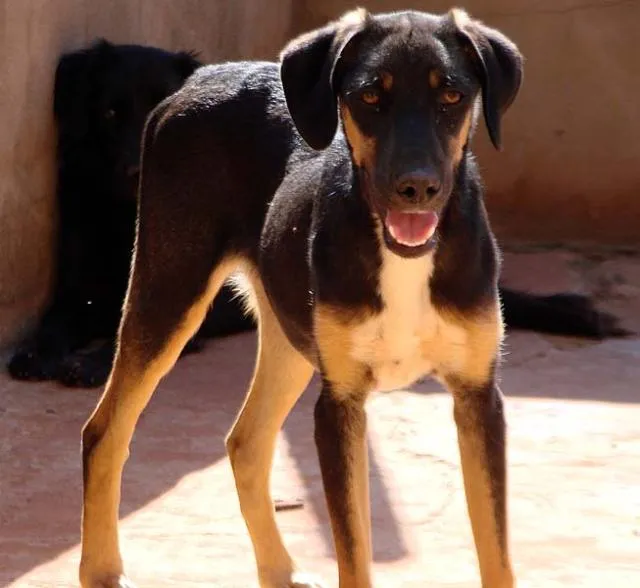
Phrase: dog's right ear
(307, 70)
(499, 63)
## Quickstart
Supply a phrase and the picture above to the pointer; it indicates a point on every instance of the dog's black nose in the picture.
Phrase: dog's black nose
(418, 184)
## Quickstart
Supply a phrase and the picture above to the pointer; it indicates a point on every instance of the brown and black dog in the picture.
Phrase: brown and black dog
(341, 184)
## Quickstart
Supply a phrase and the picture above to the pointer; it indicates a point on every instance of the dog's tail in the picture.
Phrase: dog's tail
(558, 314)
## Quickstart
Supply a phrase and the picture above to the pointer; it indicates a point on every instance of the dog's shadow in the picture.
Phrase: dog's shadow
(181, 432)
(216, 389)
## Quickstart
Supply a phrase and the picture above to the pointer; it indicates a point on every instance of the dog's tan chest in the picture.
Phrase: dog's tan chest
(409, 338)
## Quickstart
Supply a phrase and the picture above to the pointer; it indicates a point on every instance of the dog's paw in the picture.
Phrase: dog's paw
(303, 580)
(29, 365)
(119, 581)
(292, 580)
(84, 371)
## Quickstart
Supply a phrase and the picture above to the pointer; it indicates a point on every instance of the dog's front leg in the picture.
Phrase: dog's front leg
(479, 417)
(340, 432)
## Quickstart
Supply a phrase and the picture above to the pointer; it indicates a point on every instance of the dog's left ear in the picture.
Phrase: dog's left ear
(308, 74)
(499, 64)
(186, 62)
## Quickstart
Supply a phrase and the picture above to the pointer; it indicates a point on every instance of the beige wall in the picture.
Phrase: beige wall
(570, 169)
(33, 33)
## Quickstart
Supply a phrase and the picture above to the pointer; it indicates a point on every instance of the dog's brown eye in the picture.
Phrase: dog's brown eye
(370, 97)
(450, 97)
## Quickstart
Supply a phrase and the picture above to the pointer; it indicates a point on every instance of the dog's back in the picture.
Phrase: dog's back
(226, 135)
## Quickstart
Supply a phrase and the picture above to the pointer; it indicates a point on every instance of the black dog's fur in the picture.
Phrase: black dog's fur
(293, 173)
(102, 97)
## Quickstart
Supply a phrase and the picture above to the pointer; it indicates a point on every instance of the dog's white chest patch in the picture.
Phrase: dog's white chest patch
(409, 338)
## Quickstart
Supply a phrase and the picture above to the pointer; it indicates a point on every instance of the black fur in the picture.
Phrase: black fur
(102, 97)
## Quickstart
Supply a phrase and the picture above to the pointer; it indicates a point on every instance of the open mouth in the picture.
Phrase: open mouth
(411, 229)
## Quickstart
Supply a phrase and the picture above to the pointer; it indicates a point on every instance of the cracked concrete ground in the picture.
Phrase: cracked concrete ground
(573, 410)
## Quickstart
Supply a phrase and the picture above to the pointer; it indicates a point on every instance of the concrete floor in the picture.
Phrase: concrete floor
(573, 410)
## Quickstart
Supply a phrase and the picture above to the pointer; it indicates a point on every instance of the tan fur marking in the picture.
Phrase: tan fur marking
(361, 558)
(192, 320)
(460, 17)
(354, 17)
(361, 466)
(457, 143)
(363, 147)
(435, 79)
(280, 376)
(387, 80)
(334, 332)
(484, 333)
(494, 561)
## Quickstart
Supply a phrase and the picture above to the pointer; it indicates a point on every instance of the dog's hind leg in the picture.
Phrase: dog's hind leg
(170, 291)
(280, 377)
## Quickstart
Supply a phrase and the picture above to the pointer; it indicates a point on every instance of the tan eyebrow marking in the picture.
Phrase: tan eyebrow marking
(387, 80)
(435, 78)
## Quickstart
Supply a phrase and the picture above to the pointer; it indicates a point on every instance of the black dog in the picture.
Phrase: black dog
(341, 183)
(102, 97)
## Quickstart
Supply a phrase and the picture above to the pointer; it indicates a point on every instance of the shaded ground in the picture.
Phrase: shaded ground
(573, 411)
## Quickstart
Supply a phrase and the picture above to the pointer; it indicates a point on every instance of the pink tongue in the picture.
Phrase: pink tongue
(411, 229)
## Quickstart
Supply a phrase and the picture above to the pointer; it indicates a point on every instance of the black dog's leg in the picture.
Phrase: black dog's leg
(39, 356)
(88, 368)
(559, 314)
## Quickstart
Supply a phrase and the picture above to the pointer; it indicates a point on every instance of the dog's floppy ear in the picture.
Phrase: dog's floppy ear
(186, 62)
(499, 64)
(307, 70)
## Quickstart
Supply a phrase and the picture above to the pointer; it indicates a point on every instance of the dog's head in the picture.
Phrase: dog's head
(408, 88)
(102, 97)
